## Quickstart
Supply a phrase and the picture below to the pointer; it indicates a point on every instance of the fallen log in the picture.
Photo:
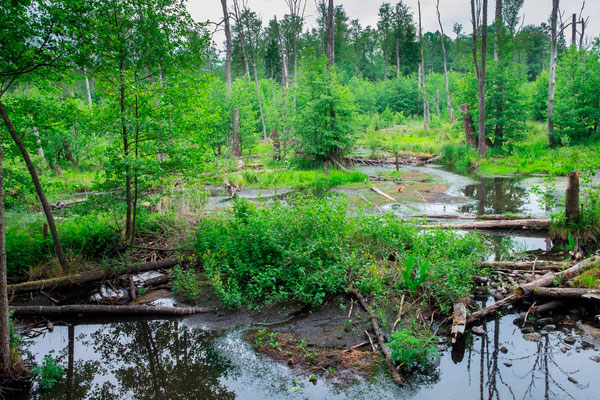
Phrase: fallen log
(546, 307)
(338, 164)
(382, 193)
(95, 309)
(459, 321)
(79, 279)
(380, 339)
(528, 288)
(493, 217)
(527, 265)
(566, 293)
(537, 224)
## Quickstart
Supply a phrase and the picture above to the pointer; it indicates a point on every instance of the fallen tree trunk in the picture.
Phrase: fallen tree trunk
(380, 339)
(493, 217)
(79, 279)
(527, 265)
(537, 224)
(382, 193)
(546, 307)
(566, 293)
(459, 321)
(528, 288)
(338, 164)
(94, 309)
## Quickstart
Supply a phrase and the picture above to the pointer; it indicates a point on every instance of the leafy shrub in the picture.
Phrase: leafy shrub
(310, 248)
(413, 348)
(49, 372)
(185, 282)
(86, 236)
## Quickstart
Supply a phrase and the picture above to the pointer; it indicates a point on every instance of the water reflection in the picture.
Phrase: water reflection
(497, 195)
(136, 360)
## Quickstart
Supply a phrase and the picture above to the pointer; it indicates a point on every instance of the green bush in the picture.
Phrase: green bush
(413, 348)
(85, 236)
(185, 282)
(307, 249)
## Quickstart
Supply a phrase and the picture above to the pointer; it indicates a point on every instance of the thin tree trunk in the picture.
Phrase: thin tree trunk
(4, 329)
(422, 70)
(482, 147)
(87, 87)
(236, 133)
(128, 196)
(228, 46)
(498, 30)
(397, 57)
(552, 72)
(330, 34)
(36, 133)
(499, 26)
(60, 254)
(574, 30)
(448, 104)
(284, 70)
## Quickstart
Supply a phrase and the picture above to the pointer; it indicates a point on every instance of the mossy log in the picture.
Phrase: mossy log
(567, 293)
(87, 277)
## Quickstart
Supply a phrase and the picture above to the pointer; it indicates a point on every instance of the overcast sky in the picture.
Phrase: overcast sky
(534, 11)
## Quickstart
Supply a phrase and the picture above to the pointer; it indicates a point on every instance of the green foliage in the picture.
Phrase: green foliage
(413, 348)
(577, 105)
(309, 248)
(186, 282)
(84, 236)
(49, 372)
(324, 113)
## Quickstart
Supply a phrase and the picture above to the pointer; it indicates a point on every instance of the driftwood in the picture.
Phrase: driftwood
(566, 293)
(382, 193)
(493, 217)
(402, 160)
(79, 279)
(459, 321)
(380, 339)
(88, 309)
(528, 288)
(527, 265)
(537, 224)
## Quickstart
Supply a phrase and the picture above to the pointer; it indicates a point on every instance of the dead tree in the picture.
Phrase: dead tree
(448, 105)
(480, 69)
(228, 46)
(330, 34)
(425, 108)
(469, 127)
(572, 197)
(235, 143)
(552, 71)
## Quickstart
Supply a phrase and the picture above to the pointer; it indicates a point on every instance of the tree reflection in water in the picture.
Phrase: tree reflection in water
(141, 360)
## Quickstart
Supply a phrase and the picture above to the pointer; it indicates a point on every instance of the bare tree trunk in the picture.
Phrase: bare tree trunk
(227, 46)
(124, 137)
(397, 57)
(330, 34)
(36, 133)
(422, 70)
(468, 124)
(482, 147)
(4, 330)
(60, 254)
(572, 197)
(574, 30)
(236, 133)
(87, 87)
(498, 29)
(448, 104)
(552, 72)
(284, 64)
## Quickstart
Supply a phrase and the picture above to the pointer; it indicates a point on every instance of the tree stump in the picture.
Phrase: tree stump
(572, 197)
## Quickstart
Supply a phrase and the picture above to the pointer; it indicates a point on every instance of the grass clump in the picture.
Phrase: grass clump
(308, 249)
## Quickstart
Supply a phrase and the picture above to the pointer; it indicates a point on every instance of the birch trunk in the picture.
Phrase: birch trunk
(228, 46)
(330, 34)
(448, 105)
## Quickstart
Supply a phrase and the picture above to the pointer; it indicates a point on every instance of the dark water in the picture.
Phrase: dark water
(180, 359)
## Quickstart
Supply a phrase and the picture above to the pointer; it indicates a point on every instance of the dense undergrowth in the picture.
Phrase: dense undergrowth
(311, 248)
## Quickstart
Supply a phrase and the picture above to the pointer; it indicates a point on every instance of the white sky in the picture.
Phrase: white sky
(534, 11)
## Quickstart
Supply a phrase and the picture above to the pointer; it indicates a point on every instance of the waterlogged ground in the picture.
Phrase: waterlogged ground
(186, 359)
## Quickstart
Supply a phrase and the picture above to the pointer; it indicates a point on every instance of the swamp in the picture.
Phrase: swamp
(197, 202)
